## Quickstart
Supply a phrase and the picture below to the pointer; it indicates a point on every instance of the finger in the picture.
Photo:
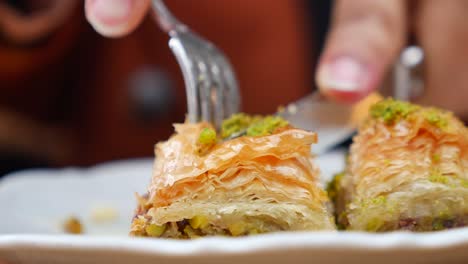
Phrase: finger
(442, 31)
(365, 37)
(115, 18)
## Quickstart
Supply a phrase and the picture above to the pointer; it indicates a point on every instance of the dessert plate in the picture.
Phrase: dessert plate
(34, 205)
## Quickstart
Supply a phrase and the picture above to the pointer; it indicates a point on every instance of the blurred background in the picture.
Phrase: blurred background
(70, 97)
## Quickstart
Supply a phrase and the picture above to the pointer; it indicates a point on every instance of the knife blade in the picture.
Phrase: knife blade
(333, 122)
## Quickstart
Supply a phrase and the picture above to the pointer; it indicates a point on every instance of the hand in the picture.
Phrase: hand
(115, 18)
(367, 36)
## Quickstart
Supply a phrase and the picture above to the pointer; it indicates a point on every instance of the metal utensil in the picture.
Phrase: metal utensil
(212, 90)
(334, 123)
(407, 73)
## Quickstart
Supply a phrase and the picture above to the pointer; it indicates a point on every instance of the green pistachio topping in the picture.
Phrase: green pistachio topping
(435, 117)
(266, 126)
(235, 124)
(390, 110)
(207, 136)
(243, 124)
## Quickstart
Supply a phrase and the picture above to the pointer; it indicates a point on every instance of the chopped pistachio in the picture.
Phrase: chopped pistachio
(390, 110)
(374, 224)
(235, 124)
(435, 117)
(266, 126)
(436, 157)
(379, 200)
(206, 140)
(437, 177)
(237, 228)
(240, 124)
(334, 186)
(207, 136)
(190, 232)
(155, 230)
(198, 221)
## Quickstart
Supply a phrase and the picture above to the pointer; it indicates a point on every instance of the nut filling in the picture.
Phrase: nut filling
(199, 226)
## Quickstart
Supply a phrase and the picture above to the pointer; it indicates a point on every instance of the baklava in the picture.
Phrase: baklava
(406, 170)
(254, 176)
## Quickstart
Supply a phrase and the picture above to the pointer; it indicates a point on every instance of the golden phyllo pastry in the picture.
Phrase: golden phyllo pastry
(407, 170)
(256, 176)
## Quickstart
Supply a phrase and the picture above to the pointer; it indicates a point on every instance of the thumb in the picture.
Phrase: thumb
(115, 18)
(365, 38)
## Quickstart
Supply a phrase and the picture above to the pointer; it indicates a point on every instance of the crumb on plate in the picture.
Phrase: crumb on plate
(72, 225)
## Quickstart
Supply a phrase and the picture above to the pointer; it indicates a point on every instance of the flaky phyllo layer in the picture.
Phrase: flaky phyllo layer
(238, 186)
(407, 169)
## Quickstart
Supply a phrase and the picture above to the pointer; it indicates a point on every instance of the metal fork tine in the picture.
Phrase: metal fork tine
(204, 87)
(212, 90)
(189, 73)
(232, 89)
(218, 93)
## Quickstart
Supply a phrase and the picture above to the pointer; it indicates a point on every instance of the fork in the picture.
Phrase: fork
(211, 86)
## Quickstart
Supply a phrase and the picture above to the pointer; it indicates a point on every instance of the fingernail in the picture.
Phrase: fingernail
(342, 74)
(112, 11)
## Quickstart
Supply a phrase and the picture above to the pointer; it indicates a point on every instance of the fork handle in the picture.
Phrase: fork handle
(165, 19)
(407, 84)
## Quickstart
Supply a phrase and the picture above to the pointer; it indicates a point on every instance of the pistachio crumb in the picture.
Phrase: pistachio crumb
(237, 229)
(198, 221)
(207, 136)
(437, 177)
(266, 126)
(379, 200)
(243, 124)
(374, 224)
(155, 230)
(435, 117)
(390, 110)
(235, 124)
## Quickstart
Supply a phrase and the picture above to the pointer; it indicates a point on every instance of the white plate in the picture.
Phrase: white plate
(33, 205)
